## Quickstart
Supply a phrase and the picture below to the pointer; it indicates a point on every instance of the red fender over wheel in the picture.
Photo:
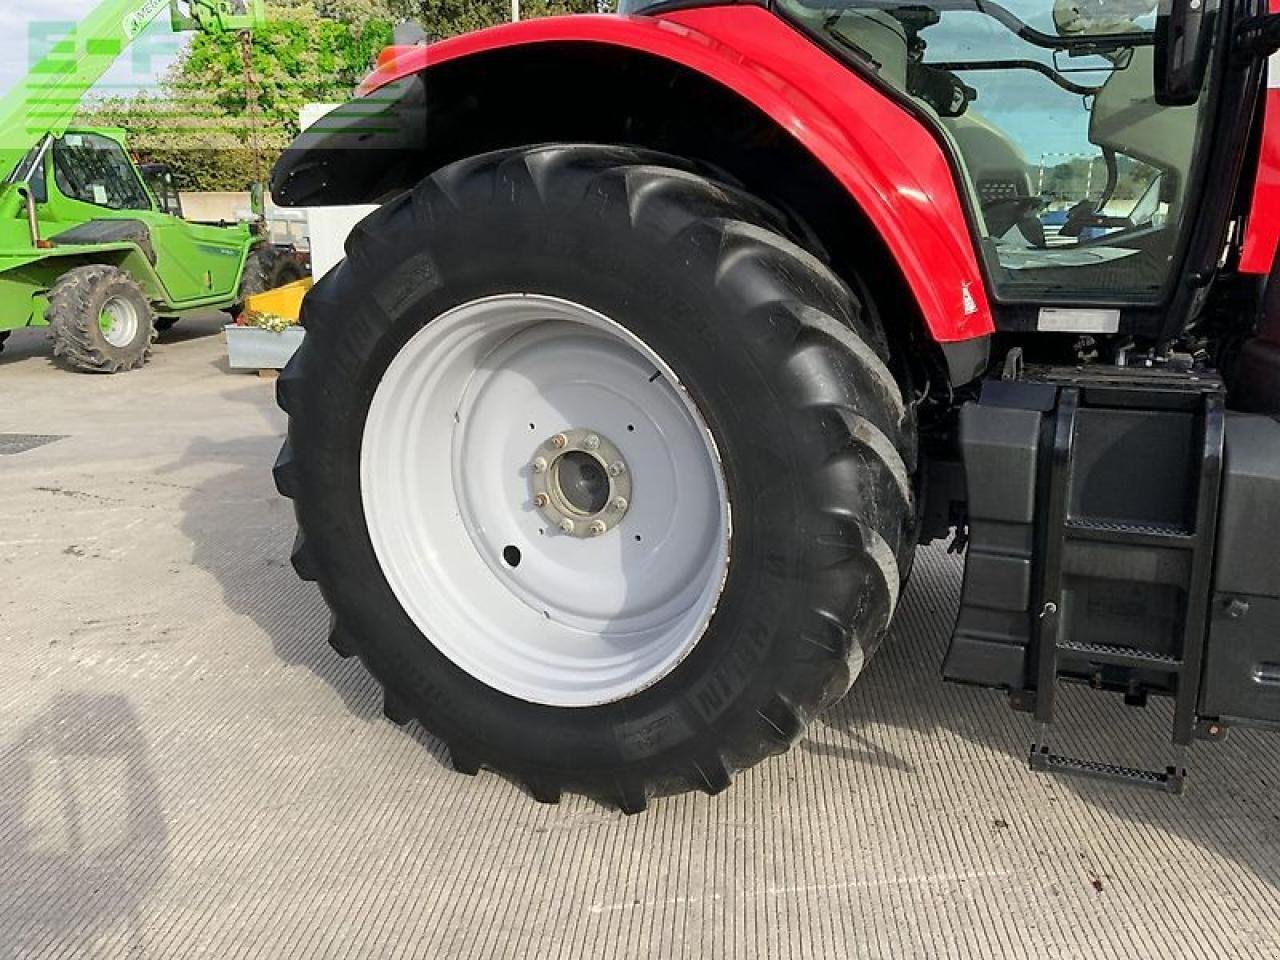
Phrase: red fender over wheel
(891, 165)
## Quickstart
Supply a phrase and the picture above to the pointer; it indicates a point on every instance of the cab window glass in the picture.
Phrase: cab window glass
(95, 169)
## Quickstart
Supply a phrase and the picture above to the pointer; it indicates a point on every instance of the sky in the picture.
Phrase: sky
(23, 22)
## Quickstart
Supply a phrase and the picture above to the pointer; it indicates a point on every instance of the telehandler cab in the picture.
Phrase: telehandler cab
(676, 331)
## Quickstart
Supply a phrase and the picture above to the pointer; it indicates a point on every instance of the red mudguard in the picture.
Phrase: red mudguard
(1262, 229)
(890, 164)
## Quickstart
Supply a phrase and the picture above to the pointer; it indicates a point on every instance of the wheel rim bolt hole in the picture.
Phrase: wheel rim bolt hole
(511, 555)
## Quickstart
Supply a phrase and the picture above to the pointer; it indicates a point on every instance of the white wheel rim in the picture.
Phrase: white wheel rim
(448, 486)
(118, 321)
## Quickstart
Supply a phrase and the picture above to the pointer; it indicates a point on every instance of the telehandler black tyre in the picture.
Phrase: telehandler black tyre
(268, 268)
(100, 320)
(604, 479)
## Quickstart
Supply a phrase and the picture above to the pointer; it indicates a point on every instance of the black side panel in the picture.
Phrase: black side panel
(109, 231)
(1001, 446)
(1242, 671)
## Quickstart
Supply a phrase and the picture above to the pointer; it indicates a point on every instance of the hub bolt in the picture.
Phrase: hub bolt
(566, 525)
(541, 500)
(559, 441)
(540, 465)
(592, 442)
(597, 527)
(619, 504)
(617, 468)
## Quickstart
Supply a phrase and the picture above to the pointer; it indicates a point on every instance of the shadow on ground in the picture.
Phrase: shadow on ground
(82, 830)
(242, 533)
(1235, 780)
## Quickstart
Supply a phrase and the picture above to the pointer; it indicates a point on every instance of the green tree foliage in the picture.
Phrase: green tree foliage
(311, 51)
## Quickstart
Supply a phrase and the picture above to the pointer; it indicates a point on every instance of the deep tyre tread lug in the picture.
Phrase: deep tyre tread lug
(396, 709)
(783, 720)
(631, 797)
(340, 640)
(542, 789)
(288, 384)
(286, 474)
(462, 760)
(304, 564)
(714, 775)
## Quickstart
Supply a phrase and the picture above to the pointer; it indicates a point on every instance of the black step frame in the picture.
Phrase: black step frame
(1113, 388)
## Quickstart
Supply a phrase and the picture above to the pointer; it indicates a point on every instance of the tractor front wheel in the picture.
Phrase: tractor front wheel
(100, 320)
(605, 479)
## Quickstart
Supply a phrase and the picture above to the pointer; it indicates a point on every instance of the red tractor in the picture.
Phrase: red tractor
(677, 331)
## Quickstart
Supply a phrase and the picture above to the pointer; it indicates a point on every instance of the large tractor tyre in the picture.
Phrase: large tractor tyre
(601, 476)
(268, 268)
(100, 320)
(166, 323)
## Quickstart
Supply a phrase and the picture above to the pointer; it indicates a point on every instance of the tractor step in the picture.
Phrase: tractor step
(1120, 656)
(1094, 498)
(1121, 534)
(1156, 543)
(1171, 780)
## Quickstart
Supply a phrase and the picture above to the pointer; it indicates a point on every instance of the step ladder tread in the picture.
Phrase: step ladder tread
(1169, 780)
(1136, 534)
(1124, 526)
(1122, 656)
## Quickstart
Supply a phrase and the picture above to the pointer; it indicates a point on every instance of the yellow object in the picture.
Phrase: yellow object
(284, 302)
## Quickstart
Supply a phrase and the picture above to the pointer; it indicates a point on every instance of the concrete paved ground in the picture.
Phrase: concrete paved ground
(186, 769)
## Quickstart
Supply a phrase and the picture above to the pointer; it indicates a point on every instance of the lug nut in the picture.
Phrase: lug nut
(592, 442)
(566, 525)
(559, 441)
(540, 465)
(541, 500)
(597, 527)
(619, 504)
(617, 468)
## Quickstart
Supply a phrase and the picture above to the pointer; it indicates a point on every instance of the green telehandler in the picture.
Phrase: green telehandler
(87, 248)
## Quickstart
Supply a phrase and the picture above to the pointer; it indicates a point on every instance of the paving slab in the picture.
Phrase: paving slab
(186, 768)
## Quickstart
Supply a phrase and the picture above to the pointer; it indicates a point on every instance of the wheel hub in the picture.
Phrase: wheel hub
(580, 483)
(118, 321)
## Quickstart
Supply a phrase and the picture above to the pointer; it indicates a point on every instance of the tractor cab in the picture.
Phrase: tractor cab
(1079, 181)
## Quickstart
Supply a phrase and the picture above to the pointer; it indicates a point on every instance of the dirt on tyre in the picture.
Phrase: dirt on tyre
(100, 320)
(604, 479)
